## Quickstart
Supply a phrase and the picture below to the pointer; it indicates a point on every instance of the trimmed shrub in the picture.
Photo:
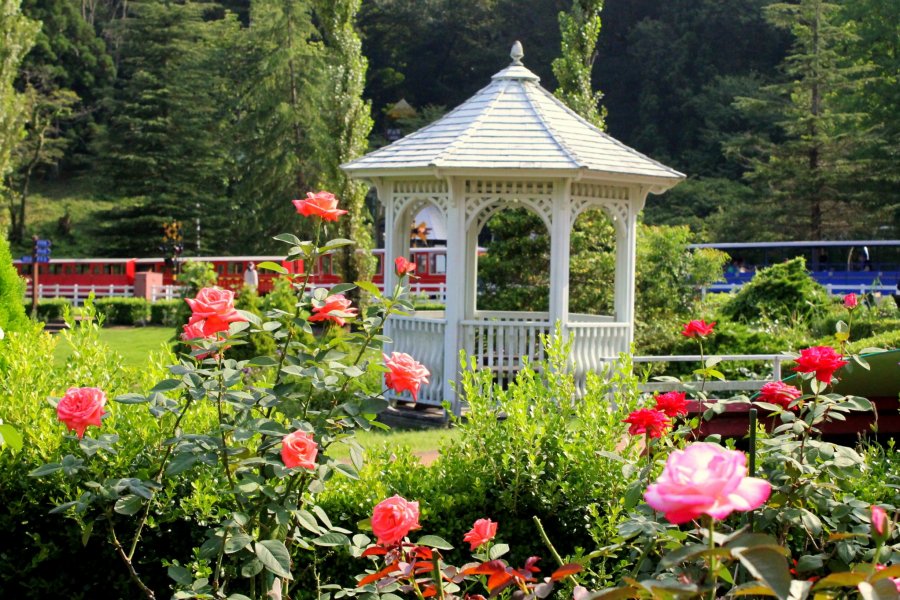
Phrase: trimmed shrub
(887, 340)
(784, 293)
(123, 311)
(12, 290)
(165, 312)
(51, 309)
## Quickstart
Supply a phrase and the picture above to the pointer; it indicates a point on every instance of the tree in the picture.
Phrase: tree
(279, 128)
(801, 171)
(167, 143)
(580, 29)
(347, 126)
(17, 34)
(12, 290)
(43, 146)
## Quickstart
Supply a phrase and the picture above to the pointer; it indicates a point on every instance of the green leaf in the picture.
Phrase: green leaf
(166, 385)
(498, 550)
(307, 521)
(809, 562)
(348, 470)
(288, 238)
(274, 557)
(128, 505)
(10, 437)
(845, 579)
(272, 266)
(768, 565)
(46, 470)
(237, 542)
(883, 589)
(180, 575)
(181, 463)
(433, 541)
(251, 568)
(332, 538)
(131, 398)
(369, 287)
(752, 588)
(262, 361)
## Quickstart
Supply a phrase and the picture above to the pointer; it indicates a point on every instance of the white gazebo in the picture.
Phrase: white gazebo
(512, 144)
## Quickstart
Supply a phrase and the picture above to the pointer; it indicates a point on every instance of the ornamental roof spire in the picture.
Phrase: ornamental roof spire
(517, 53)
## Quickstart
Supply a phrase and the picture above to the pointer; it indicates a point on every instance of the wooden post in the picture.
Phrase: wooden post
(35, 267)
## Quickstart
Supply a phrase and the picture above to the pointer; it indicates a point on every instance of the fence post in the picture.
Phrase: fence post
(776, 368)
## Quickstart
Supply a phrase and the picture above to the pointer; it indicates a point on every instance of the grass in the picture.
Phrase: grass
(133, 343)
(418, 441)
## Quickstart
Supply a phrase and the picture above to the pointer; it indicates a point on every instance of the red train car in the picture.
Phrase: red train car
(112, 276)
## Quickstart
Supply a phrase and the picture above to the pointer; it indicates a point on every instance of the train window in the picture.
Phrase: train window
(220, 269)
(67, 269)
(327, 265)
(115, 269)
(84, 269)
(421, 264)
(379, 265)
(54, 269)
(438, 264)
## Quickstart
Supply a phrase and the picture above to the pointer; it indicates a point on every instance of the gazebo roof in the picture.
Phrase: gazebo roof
(512, 124)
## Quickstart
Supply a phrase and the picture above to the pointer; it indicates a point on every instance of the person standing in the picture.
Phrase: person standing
(251, 276)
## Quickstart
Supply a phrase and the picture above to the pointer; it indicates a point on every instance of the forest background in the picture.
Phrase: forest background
(138, 113)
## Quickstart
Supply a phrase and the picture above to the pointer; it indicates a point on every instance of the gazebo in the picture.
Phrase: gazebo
(512, 144)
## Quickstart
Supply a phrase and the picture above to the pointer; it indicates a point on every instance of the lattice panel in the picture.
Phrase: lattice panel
(484, 198)
(600, 192)
(617, 211)
(415, 194)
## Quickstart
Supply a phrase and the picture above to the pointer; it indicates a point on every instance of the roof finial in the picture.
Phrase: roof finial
(517, 53)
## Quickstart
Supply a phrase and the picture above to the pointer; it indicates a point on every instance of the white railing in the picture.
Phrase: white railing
(594, 344)
(422, 338)
(500, 346)
(165, 292)
(747, 385)
(77, 294)
(834, 289)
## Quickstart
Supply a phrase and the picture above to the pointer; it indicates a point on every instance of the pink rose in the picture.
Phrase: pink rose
(697, 328)
(320, 204)
(337, 304)
(213, 310)
(850, 301)
(403, 266)
(482, 532)
(881, 524)
(705, 479)
(780, 393)
(404, 373)
(821, 360)
(672, 404)
(81, 407)
(645, 420)
(393, 519)
(194, 331)
(299, 449)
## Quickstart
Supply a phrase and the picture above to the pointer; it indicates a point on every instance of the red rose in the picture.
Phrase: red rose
(404, 374)
(337, 304)
(320, 204)
(652, 422)
(299, 449)
(697, 328)
(482, 532)
(850, 301)
(821, 360)
(672, 404)
(213, 310)
(393, 519)
(780, 393)
(194, 331)
(403, 266)
(81, 407)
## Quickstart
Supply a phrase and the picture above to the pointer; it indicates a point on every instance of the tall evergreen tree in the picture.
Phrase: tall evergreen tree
(802, 170)
(347, 125)
(17, 34)
(279, 125)
(166, 145)
(580, 29)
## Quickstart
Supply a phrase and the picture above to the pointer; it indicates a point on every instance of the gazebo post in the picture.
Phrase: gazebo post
(626, 260)
(457, 283)
(560, 241)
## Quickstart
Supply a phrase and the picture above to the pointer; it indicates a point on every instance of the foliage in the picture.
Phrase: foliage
(12, 290)
(123, 311)
(580, 29)
(51, 309)
(165, 312)
(17, 34)
(783, 292)
(888, 340)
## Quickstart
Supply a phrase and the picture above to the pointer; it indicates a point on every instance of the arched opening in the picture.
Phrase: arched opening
(514, 269)
(592, 264)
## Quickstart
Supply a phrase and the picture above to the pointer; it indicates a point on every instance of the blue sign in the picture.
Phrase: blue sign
(43, 244)
(43, 259)
(26, 260)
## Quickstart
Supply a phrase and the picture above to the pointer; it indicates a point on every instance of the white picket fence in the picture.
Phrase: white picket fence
(77, 294)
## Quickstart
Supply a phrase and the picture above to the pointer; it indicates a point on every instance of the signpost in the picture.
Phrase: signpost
(40, 253)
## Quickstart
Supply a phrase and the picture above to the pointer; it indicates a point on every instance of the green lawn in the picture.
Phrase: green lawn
(419, 441)
(133, 343)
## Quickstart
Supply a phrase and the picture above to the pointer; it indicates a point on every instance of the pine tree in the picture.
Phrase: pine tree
(279, 126)
(347, 125)
(17, 34)
(580, 29)
(167, 143)
(803, 169)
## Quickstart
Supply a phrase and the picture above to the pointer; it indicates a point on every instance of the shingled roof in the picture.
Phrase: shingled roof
(513, 123)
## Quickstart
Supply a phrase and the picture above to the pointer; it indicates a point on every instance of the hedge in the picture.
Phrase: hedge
(165, 312)
(50, 309)
(123, 311)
